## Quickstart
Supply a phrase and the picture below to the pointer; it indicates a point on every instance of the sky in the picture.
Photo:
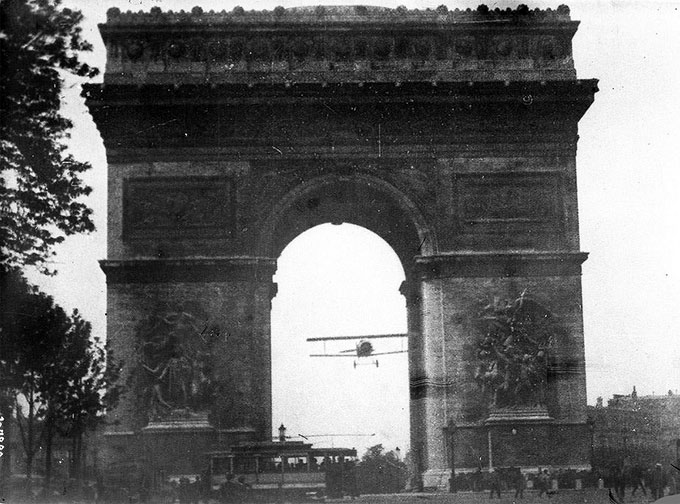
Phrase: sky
(629, 203)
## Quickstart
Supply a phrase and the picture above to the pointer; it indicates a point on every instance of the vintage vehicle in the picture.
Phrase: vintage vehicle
(257, 471)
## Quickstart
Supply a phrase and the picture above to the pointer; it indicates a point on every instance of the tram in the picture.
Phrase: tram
(284, 467)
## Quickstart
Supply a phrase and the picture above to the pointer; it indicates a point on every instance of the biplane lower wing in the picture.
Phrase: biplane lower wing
(363, 349)
(354, 356)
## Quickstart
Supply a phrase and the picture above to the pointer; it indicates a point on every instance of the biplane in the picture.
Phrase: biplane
(363, 348)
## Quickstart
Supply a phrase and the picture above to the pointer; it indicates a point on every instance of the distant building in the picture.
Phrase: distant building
(645, 428)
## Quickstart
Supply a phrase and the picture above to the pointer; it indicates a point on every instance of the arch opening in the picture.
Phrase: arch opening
(340, 280)
(360, 199)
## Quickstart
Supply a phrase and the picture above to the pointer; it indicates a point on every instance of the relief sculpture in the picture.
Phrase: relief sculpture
(176, 369)
(513, 352)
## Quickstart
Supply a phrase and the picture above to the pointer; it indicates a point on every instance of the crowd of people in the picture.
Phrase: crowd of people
(654, 482)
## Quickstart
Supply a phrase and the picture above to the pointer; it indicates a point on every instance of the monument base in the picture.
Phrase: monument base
(180, 421)
(168, 448)
(436, 480)
(519, 414)
(177, 445)
(522, 437)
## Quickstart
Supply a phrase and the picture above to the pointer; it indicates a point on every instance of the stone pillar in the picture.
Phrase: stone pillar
(454, 287)
(411, 292)
(434, 381)
(228, 300)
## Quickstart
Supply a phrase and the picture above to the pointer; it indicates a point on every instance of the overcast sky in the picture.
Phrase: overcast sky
(337, 280)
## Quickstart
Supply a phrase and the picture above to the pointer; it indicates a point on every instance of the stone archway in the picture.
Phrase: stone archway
(373, 203)
(450, 134)
(362, 199)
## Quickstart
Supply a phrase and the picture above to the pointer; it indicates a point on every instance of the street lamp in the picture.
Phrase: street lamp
(591, 427)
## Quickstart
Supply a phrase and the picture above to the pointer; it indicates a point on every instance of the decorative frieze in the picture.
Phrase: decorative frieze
(313, 45)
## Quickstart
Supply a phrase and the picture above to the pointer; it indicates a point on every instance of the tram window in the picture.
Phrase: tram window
(297, 464)
(220, 465)
(270, 464)
(244, 465)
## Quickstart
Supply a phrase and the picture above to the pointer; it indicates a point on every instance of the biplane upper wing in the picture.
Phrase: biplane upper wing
(375, 336)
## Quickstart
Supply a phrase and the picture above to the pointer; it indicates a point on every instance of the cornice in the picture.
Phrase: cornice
(338, 44)
(421, 90)
(415, 117)
(221, 269)
(338, 14)
(499, 264)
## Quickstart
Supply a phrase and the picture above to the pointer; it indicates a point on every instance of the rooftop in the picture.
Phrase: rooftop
(339, 14)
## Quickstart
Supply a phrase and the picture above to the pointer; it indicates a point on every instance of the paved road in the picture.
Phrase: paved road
(530, 497)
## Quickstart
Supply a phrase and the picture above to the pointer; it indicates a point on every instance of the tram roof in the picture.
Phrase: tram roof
(289, 448)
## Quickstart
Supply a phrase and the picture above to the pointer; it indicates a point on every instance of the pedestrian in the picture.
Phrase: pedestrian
(544, 483)
(637, 479)
(184, 490)
(495, 479)
(231, 491)
(619, 479)
(477, 480)
(195, 490)
(657, 482)
(519, 483)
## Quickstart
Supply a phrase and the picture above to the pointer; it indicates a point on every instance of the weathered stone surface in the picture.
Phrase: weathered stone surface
(452, 135)
(340, 44)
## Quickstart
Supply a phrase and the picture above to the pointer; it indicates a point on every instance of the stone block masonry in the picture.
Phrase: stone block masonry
(450, 134)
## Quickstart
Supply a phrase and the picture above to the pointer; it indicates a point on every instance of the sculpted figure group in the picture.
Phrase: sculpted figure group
(512, 355)
(176, 362)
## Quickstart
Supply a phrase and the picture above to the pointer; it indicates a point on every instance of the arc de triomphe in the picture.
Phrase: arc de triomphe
(450, 134)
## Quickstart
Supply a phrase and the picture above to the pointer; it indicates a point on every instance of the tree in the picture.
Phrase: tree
(380, 472)
(40, 184)
(63, 378)
(31, 332)
(79, 388)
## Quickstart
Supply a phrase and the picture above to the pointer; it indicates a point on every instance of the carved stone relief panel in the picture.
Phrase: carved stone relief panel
(183, 207)
(495, 202)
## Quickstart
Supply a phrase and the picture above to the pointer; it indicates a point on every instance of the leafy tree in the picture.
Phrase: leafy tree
(63, 378)
(82, 386)
(32, 329)
(380, 472)
(40, 184)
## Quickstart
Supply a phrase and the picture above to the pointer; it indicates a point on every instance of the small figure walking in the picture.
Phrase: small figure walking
(544, 483)
(519, 483)
(495, 483)
(657, 481)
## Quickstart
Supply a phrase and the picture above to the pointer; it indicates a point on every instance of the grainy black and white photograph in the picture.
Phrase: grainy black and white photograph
(296, 251)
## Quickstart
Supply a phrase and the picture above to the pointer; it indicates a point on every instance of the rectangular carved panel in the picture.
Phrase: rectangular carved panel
(178, 207)
(498, 203)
